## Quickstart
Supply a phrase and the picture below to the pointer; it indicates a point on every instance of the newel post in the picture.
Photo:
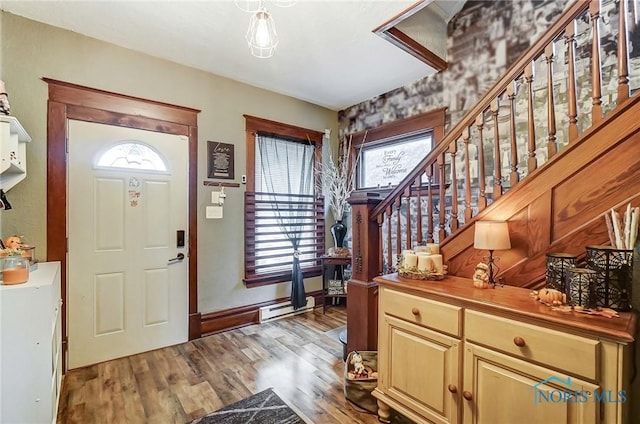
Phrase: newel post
(362, 292)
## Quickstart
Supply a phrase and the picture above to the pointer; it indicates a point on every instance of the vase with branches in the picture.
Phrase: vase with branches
(337, 181)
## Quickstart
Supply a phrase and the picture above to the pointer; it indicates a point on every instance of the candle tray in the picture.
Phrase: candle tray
(412, 274)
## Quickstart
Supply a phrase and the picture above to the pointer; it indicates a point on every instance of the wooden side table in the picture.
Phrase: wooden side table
(333, 282)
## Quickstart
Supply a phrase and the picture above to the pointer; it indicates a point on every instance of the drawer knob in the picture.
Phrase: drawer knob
(452, 388)
(415, 311)
(519, 341)
(467, 395)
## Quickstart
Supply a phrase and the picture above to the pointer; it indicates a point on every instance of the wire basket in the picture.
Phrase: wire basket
(557, 266)
(614, 273)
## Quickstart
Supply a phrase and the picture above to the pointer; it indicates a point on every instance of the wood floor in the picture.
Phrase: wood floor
(180, 383)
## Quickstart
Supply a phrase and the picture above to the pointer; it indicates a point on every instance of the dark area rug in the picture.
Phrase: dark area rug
(265, 407)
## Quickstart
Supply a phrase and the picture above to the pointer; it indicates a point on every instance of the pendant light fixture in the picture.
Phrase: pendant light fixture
(261, 36)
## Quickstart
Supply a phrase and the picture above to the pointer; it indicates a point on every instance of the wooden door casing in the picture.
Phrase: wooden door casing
(71, 101)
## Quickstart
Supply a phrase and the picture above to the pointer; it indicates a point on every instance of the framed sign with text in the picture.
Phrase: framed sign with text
(220, 160)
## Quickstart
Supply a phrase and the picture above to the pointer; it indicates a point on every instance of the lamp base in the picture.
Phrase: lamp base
(492, 265)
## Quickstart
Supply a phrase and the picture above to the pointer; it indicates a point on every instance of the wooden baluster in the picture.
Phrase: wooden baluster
(407, 194)
(380, 220)
(430, 201)
(418, 183)
(482, 196)
(596, 110)
(453, 150)
(390, 262)
(552, 148)
(441, 215)
(398, 204)
(623, 53)
(466, 136)
(497, 160)
(511, 95)
(570, 39)
(529, 75)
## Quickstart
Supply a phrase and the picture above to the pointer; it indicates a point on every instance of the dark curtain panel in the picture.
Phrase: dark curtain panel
(287, 171)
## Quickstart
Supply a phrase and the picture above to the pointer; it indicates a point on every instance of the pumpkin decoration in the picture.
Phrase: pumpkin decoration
(552, 297)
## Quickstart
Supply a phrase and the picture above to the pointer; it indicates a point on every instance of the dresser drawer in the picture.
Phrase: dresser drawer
(569, 353)
(424, 312)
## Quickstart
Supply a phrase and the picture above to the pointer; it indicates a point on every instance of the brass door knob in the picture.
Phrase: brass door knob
(415, 311)
(519, 341)
(452, 388)
(467, 395)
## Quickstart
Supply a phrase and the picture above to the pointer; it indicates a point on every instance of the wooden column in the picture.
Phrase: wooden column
(362, 292)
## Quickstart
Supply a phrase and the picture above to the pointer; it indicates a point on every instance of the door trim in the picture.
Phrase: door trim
(71, 101)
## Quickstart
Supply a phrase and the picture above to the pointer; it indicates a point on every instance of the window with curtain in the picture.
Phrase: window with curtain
(284, 219)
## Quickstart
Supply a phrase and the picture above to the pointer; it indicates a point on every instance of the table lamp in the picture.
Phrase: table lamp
(491, 235)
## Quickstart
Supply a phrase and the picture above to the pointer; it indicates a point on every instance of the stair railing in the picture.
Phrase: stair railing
(449, 189)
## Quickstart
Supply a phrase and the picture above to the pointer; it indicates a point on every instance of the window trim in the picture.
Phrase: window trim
(253, 126)
(434, 119)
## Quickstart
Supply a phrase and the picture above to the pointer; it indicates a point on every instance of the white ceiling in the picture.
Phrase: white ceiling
(327, 55)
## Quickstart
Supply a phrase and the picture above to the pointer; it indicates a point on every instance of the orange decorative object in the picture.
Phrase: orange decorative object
(552, 296)
(15, 270)
(16, 275)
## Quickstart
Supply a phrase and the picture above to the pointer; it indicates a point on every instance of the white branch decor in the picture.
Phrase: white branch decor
(338, 177)
(623, 231)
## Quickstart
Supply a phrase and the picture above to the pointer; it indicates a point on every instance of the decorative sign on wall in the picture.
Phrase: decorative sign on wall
(134, 191)
(220, 160)
(385, 165)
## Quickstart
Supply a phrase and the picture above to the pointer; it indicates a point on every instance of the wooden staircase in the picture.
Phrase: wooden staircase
(567, 165)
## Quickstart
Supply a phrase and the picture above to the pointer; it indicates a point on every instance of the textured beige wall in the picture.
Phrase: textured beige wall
(1, 15)
(32, 50)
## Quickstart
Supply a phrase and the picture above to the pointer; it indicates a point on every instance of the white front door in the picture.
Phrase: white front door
(126, 292)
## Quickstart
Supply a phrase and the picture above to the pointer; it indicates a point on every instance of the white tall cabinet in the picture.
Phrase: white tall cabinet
(30, 350)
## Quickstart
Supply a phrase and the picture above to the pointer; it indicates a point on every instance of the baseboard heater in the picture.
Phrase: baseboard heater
(281, 310)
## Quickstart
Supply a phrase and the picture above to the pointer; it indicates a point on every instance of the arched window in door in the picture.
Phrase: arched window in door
(132, 155)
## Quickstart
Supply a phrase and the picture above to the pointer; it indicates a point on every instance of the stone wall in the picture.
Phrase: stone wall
(483, 40)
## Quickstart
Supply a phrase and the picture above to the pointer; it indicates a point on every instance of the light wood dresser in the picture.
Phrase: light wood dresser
(451, 353)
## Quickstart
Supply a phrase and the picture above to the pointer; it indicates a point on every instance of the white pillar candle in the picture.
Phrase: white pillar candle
(420, 249)
(425, 264)
(410, 260)
(433, 248)
(437, 263)
(403, 256)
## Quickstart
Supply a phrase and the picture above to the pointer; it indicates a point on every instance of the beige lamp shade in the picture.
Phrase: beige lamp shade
(491, 235)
